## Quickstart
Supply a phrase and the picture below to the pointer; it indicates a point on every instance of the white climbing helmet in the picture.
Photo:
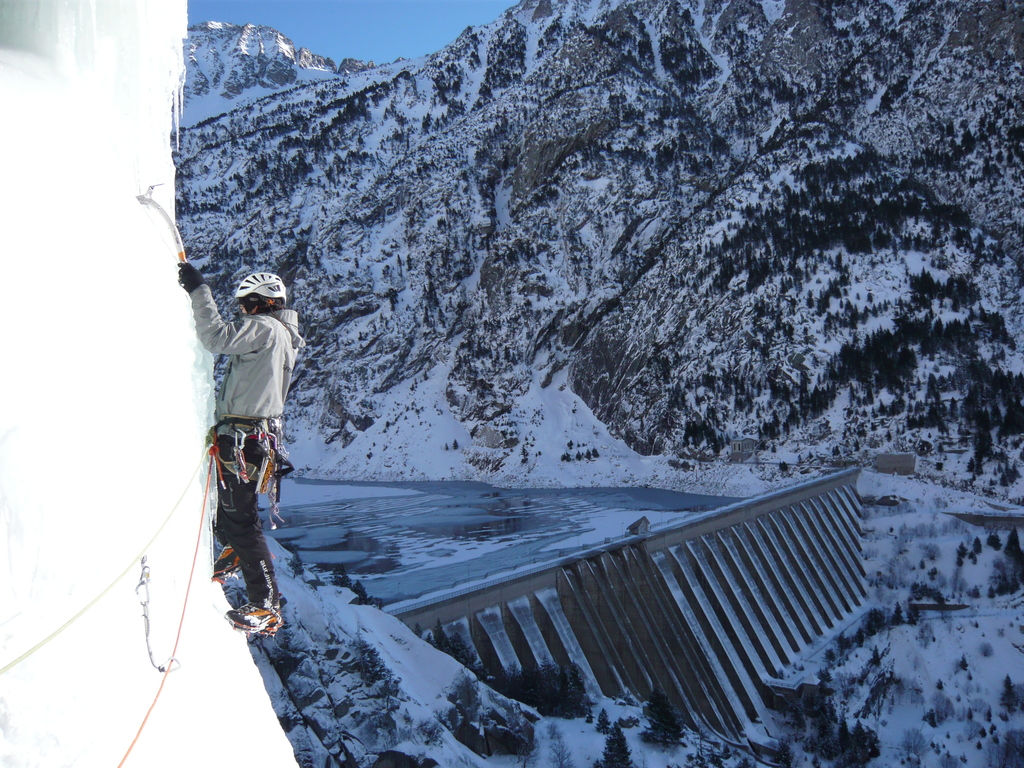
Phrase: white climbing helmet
(264, 284)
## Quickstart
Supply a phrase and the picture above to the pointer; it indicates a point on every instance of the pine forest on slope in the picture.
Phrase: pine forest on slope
(706, 219)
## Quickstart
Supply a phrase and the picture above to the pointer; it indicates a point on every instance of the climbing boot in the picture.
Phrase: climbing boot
(257, 618)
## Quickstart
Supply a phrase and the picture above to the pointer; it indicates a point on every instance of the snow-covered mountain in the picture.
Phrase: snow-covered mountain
(227, 65)
(590, 242)
(641, 228)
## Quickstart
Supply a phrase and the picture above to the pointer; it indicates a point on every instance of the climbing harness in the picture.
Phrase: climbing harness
(147, 200)
(265, 433)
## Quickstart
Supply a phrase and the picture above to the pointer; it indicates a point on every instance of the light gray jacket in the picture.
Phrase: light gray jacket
(261, 349)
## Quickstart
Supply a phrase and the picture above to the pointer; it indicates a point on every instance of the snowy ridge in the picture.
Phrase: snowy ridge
(817, 516)
(461, 628)
(847, 583)
(228, 66)
(783, 560)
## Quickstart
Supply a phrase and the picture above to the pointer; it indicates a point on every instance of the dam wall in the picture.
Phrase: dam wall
(714, 610)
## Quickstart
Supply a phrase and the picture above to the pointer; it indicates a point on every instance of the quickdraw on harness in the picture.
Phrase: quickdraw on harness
(144, 600)
(274, 464)
(144, 580)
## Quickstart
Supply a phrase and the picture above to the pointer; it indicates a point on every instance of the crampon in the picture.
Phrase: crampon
(255, 619)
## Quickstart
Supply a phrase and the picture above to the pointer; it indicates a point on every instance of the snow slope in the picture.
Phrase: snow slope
(105, 400)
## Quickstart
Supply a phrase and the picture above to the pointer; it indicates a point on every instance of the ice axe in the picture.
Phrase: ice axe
(147, 199)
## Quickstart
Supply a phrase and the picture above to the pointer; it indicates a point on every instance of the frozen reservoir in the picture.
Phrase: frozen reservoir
(404, 540)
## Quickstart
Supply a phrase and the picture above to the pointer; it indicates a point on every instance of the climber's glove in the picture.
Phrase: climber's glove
(189, 277)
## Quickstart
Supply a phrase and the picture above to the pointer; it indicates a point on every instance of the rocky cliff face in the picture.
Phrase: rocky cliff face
(679, 221)
(353, 686)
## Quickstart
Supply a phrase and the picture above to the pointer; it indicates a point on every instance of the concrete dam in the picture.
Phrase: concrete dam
(716, 610)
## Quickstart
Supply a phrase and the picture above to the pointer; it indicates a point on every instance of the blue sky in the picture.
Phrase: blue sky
(371, 30)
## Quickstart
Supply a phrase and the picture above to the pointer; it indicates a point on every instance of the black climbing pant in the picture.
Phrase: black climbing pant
(238, 520)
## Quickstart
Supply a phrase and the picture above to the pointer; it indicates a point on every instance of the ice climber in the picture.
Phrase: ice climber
(261, 346)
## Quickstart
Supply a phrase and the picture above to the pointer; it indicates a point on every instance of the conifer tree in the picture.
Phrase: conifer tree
(1008, 698)
(864, 745)
(843, 736)
(663, 727)
(784, 757)
(439, 639)
(616, 751)
(361, 597)
(572, 693)
(460, 651)
(1013, 551)
(371, 666)
(603, 724)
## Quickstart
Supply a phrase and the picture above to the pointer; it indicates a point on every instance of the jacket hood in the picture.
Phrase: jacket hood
(289, 318)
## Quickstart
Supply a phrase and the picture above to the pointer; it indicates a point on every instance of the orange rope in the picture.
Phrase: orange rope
(215, 453)
(181, 624)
